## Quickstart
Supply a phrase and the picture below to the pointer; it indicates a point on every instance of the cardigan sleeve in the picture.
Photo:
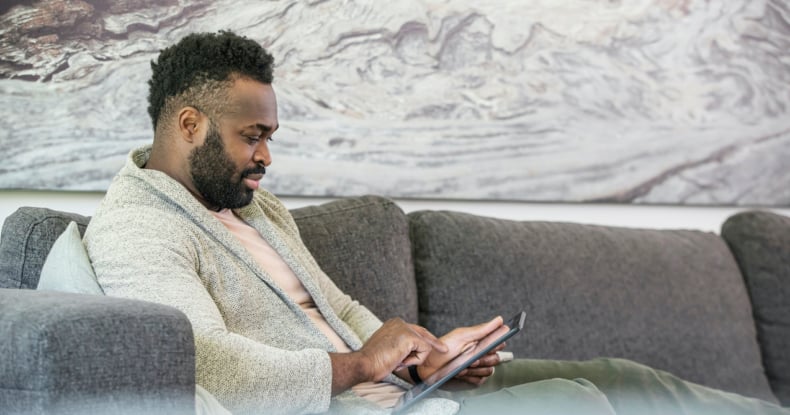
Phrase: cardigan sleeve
(151, 256)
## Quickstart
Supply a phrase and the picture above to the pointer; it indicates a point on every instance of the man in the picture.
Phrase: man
(185, 223)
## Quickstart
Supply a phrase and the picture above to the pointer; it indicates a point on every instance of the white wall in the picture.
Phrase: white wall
(636, 216)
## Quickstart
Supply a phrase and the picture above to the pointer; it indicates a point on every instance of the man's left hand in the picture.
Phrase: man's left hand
(460, 340)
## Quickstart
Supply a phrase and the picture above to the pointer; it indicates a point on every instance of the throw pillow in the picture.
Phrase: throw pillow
(67, 267)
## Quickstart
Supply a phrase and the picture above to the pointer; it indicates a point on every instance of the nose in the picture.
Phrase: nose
(262, 154)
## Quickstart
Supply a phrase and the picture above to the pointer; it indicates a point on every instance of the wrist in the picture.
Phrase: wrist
(363, 366)
(349, 369)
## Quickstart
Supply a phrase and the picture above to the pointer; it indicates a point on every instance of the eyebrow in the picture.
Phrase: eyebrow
(263, 127)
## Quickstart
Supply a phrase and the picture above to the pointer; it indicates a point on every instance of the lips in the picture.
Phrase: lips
(252, 180)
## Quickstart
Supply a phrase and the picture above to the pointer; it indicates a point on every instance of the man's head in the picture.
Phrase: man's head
(196, 71)
(213, 110)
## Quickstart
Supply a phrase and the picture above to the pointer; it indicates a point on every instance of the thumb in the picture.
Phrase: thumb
(483, 329)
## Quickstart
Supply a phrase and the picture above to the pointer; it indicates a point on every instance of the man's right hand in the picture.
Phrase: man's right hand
(394, 345)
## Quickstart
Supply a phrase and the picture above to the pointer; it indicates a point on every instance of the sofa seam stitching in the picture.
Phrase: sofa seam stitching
(346, 209)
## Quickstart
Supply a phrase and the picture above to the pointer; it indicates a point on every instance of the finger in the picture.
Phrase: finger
(426, 335)
(478, 372)
(505, 356)
(421, 349)
(474, 380)
(412, 360)
(486, 361)
(481, 330)
(498, 348)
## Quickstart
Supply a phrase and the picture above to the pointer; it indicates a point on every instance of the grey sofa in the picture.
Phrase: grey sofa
(712, 309)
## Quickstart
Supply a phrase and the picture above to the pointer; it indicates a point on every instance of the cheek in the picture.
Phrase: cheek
(240, 156)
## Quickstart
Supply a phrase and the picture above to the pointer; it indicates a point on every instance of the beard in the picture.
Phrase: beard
(214, 174)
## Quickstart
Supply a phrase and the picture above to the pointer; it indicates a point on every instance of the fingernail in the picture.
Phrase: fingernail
(505, 356)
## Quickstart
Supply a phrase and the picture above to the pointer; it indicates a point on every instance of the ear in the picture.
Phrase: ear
(189, 121)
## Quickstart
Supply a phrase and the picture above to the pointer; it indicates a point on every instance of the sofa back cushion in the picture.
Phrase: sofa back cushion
(673, 300)
(28, 235)
(760, 242)
(363, 245)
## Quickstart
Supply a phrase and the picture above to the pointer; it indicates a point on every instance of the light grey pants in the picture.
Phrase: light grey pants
(599, 386)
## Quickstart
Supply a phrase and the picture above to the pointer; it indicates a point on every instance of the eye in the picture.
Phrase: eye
(252, 138)
(270, 139)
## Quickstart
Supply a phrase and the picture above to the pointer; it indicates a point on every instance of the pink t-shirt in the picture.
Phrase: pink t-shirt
(382, 393)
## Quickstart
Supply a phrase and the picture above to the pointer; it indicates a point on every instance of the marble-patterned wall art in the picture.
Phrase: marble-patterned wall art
(639, 101)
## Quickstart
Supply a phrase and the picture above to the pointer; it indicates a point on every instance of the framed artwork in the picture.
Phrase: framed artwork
(647, 101)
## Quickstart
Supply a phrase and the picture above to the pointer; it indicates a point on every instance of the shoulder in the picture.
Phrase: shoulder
(136, 213)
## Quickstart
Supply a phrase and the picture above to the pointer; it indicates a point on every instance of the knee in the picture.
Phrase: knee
(621, 366)
(572, 387)
(566, 396)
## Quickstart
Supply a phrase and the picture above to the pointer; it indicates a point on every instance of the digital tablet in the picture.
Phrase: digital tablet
(461, 362)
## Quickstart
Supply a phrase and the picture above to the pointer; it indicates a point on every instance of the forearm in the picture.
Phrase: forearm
(246, 375)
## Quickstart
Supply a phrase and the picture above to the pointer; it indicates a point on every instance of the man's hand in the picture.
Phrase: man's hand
(459, 341)
(394, 345)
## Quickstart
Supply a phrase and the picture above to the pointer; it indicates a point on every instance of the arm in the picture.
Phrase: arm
(140, 259)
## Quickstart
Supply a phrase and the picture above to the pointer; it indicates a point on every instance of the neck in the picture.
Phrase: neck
(178, 170)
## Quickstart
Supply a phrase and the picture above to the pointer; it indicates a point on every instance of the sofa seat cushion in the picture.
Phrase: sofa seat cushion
(363, 245)
(673, 300)
(760, 242)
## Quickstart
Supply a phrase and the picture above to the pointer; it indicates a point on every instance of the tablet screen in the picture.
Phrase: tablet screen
(462, 361)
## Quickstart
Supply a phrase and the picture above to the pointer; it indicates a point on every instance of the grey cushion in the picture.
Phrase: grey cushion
(28, 234)
(673, 300)
(363, 245)
(761, 244)
(69, 353)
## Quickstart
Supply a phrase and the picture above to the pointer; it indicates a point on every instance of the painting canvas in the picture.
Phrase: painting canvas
(644, 101)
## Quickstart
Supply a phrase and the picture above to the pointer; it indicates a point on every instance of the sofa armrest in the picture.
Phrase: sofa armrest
(75, 353)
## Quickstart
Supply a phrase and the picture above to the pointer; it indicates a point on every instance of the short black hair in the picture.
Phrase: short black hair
(203, 61)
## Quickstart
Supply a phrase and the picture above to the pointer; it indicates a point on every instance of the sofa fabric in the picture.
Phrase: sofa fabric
(673, 300)
(363, 245)
(68, 353)
(27, 236)
(760, 242)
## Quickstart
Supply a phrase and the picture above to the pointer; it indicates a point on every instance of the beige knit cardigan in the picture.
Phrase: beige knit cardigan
(256, 350)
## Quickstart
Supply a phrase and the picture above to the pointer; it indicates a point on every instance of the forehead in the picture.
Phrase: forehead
(251, 101)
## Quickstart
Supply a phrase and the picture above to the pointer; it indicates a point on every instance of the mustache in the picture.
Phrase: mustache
(255, 170)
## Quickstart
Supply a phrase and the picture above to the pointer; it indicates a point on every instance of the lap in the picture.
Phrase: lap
(629, 387)
(545, 397)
